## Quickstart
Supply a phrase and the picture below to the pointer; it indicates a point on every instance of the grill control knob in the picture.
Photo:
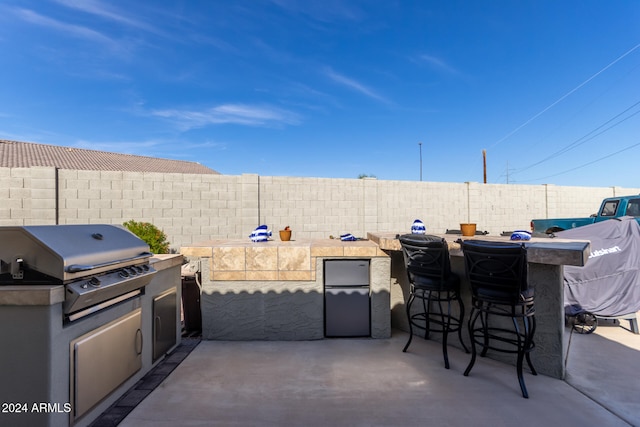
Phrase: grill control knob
(123, 273)
(145, 267)
(94, 282)
(132, 271)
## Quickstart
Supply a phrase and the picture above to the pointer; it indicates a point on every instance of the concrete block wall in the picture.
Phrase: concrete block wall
(27, 196)
(312, 207)
(12, 196)
(191, 207)
(499, 208)
(187, 207)
(576, 203)
(440, 206)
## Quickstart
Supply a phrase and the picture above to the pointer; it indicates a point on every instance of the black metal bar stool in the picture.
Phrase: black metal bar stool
(497, 272)
(429, 272)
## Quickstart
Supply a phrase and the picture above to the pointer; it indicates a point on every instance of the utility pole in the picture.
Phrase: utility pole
(420, 145)
(484, 165)
(507, 171)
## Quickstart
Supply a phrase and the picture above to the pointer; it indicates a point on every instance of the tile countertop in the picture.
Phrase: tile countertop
(540, 250)
(330, 246)
(241, 259)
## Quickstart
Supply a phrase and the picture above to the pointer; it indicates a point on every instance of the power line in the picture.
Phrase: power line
(565, 96)
(585, 138)
(587, 164)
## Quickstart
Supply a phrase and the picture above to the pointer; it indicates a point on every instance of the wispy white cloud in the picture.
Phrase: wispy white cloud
(106, 11)
(326, 11)
(163, 148)
(437, 63)
(221, 146)
(70, 29)
(353, 84)
(215, 42)
(124, 147)
(240, 114)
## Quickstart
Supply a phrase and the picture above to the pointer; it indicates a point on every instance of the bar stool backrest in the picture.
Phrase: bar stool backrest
(426, 256)
(497, 271)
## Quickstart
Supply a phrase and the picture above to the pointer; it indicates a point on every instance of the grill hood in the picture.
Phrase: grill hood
(69, 252)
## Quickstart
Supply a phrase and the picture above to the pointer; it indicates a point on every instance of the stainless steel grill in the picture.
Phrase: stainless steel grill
(99, 265)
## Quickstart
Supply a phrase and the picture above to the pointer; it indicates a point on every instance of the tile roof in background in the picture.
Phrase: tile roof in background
(15, 154)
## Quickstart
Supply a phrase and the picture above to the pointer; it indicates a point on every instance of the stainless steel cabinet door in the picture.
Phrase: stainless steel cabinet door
(164, 323)
(103, 359)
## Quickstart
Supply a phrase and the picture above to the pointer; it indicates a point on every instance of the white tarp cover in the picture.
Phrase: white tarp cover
(609, 284)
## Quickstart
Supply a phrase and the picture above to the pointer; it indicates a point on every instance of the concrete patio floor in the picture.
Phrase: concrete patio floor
(366, 382)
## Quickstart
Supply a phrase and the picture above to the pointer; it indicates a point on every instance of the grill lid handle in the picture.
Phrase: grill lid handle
(75, 268)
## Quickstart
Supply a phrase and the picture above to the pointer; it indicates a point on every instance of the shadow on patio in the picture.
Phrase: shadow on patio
(371, 382)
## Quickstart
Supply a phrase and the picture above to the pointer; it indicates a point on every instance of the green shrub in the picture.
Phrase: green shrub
(152, 235)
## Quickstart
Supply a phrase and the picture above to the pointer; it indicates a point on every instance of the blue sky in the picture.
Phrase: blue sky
(334, 88)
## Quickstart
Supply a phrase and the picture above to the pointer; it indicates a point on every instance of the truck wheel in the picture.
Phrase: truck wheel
(553, 229)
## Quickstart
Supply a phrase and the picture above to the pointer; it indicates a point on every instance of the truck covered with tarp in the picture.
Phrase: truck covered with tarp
(608, 286)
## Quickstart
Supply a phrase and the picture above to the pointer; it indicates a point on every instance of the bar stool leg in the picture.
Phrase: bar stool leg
(446, 325)
(426, 307)
(522, 348)
(433, 304)
(409, 303)
(473, 317)
(530, 335)
(484, 319)
(461, 322)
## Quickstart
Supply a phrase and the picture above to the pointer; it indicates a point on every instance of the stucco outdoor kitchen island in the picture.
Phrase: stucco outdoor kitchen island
(274, 290)
(545, 258)
(81, 367)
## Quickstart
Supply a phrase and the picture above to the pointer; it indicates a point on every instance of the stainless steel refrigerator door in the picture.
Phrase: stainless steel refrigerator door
(347, 312)
(346, 272)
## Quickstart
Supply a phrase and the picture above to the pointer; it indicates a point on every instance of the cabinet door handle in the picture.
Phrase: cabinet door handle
(157, 330)
(139, 342)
